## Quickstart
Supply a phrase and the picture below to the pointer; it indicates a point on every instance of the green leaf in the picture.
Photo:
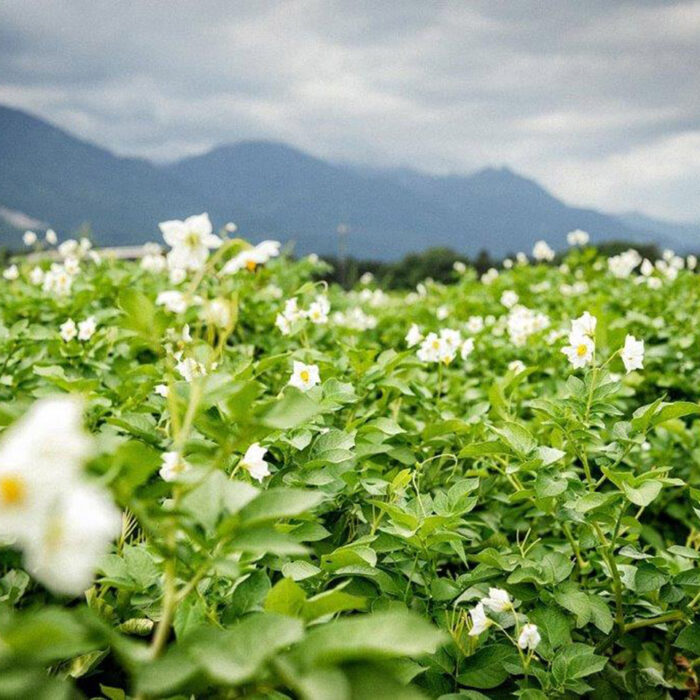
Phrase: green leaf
(517, 437)
(576, 661)
(277, 503)
(374, 636)
(486, 668)
(689, 639)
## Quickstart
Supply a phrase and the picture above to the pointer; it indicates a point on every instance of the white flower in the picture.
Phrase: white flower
(51, 237)
(431, 349)
(355, 318)
(58, 281)
(529, 637)
(162, 390)
(174, 301)
(580, 350)
(507, 263)
(691, 262)
(304, 377)
(498, 600)
(632, 354)
(172, 465)
(646, 268)
(87, 328)
(11, 273)
(584, 325)
(414, 336)
(577, 237)
(509, 298)
(85, 244)
(255, 464)
(459, 267)
(218, 313)
(252, 257)
(521, 258)
(75, 536)
(318, 310)
(366, 278)
(442, 313)
(155, 262)
(29, 238)
(451, 337)
(475, 324)
(190, 241)
(480, 623)
(285, 327)
(190, 369)
(542, 251)
(69, 247)
(466, 348)
(230, 227)
(176, 275)
(516, 366)
(621, 265)
(68, 330)
(36, 276)
(489, 276)
(61, 525)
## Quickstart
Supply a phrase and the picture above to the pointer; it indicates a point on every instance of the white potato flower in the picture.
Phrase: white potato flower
(218, 313)
(252, 257)
(466, 348)
(442, 313)
(691, 262)
(577, 238)
(509, 298)
(190, 369)
(541, 251)
(11, 273)
(304, 376)
(50, 237)
(489, 276)
(516, 366)
(68, 248)
(254, 463)
(475, 324)
(632, 354)
(172, 466)
(414, 336)
(459, 267)
(87, 328)
(36, 276)
(431, 349)
(318, 310)
(77, 533)
(173, 300)
(580, 350)
(162, 390)
(529, 637)
(498, 600)
(72, 266)
(29, 238)
(190, 241)
(480, 622)
(68, 330)
(584, 325)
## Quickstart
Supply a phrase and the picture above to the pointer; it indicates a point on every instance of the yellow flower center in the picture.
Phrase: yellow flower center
(12, 490)
(250, 265)
(192, 240)
(581, 350)
(304, 374)
(436, 344)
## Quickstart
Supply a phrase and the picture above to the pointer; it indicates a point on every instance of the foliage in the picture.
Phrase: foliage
(399, 494)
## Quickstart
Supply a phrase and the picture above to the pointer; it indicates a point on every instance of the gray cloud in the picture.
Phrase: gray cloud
(599, 101)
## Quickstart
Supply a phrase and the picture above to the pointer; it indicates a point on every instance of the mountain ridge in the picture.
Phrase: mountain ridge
(270, 188)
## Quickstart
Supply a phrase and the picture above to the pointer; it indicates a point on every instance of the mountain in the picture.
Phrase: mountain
(679, 236)
(272, 190)
(49, 175)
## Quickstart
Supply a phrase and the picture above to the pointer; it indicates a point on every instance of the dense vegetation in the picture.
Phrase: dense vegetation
(220, 479)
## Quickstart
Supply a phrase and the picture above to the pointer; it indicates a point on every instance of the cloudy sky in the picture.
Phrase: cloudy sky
(598, 100)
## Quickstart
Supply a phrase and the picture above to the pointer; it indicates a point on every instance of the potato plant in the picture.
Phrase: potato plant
(219, 478)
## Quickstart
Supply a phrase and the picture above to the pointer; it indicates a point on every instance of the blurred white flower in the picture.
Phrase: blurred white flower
(475, 324)
(414, 336)
(577, 237)
(51, 238)
(29, 238)
(218, 313)
(509, 298)
(36, 276)
(254, 463)
(68, 330)
(172, 465)
(174, 301)
(584, 325)
(250, 258)
(318, 310)
(11, 273)
(516, 366)
(466, 348)
(87, 328)
(632, 354)
(542, 252)
(190, 369)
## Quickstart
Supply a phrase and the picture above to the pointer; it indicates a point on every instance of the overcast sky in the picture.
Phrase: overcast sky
(598, 100)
